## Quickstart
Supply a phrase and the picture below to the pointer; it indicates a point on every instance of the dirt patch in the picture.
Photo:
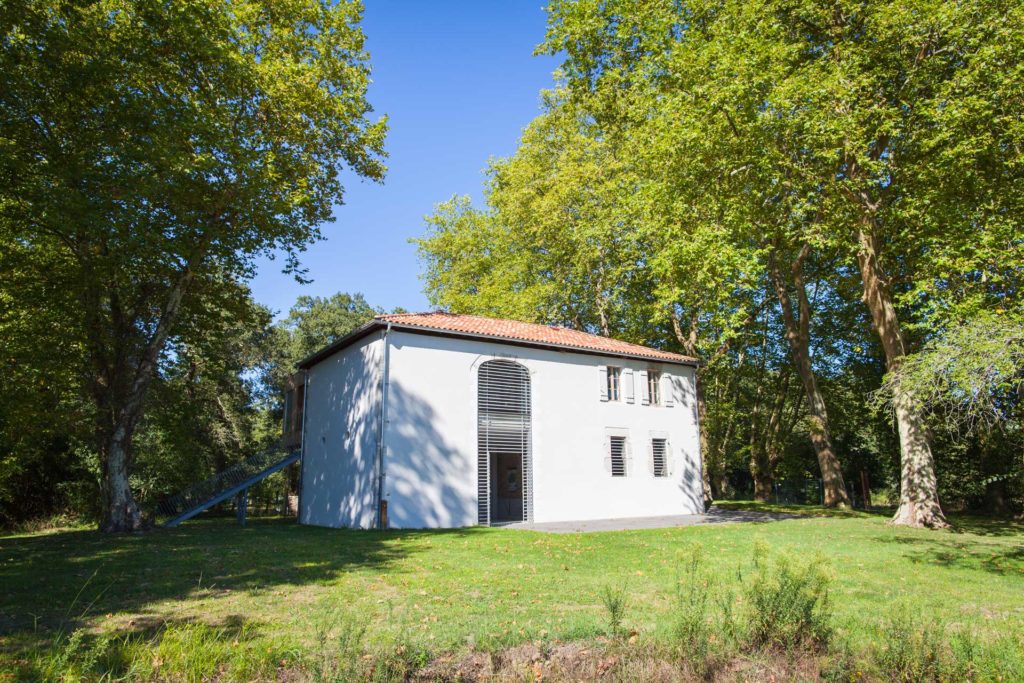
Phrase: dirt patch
(605, 661)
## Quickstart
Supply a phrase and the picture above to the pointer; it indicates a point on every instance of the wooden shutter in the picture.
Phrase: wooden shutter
(603, 377)
(645, 391)
(627, 384)
(667, 390)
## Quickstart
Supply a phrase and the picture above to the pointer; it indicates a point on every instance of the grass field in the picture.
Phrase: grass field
(479, 589)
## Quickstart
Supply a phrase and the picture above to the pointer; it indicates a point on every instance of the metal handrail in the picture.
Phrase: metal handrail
(239, 476)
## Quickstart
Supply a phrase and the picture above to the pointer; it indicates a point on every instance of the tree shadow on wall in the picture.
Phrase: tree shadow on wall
(436, 480)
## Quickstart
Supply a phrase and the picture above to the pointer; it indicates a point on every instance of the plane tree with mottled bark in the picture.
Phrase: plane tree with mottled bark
(899, 121)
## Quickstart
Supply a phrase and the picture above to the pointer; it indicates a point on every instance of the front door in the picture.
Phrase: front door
(506, 487)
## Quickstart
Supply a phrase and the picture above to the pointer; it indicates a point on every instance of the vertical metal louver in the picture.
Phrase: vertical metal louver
(658, 456)
(618, 454)
(503, 427)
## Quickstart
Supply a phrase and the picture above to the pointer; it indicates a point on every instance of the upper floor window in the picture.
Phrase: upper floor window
(654, 387)
(614, 383)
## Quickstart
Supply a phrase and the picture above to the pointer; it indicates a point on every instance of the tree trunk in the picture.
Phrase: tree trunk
(919, 496)
(121, 513)
(120, 391)
(997, 502)
(798, 336)
(763, 481)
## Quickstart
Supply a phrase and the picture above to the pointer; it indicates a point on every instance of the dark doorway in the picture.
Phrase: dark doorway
(506, 487)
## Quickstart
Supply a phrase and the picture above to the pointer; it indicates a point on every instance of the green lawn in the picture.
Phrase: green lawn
(480, 587)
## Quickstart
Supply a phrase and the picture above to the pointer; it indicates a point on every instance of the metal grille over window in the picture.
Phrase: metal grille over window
(503, 443)
(614, 383)
(659, 457)
(618, 455)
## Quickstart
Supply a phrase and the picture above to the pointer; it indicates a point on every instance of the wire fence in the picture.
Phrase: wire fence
(806, 491)
(224, 481)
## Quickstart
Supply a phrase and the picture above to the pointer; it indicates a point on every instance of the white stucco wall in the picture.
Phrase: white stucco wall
(340, 435)
(430, 458)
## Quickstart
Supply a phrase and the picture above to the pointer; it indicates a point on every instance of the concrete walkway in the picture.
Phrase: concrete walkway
(713, 516)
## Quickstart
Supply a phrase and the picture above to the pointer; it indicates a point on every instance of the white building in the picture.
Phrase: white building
(442, 420)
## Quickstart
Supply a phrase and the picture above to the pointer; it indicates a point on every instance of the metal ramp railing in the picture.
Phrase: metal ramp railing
(231, 482)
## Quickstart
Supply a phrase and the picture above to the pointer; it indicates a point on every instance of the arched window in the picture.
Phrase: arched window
(503, 443)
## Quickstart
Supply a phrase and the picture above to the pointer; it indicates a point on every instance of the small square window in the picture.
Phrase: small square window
(654, 387)
(614, 383)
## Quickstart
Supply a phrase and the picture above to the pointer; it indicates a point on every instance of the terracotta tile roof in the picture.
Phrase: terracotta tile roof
(545, 335)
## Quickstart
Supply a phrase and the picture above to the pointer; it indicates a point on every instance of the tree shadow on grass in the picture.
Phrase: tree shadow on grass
(195, 644)
(803, 510)
(57, 580)
(986, 526)
(952, 552)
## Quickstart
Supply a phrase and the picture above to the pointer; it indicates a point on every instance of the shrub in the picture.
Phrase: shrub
(339, 638)
(693, 631)
(788, 601)
(909, 647)
(615, 602)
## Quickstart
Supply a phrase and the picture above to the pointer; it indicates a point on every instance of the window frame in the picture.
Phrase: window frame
(664, 457)
(623, 457)
(654, 387)
(614, 383)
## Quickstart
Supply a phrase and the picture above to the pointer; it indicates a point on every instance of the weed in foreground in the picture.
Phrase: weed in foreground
(693, 632)
(788, 602)
(615, 601)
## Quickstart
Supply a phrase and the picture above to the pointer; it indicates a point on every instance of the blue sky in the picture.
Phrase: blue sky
(458, 81)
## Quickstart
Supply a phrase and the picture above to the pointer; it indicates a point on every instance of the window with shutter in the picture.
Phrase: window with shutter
(659, 457)
(603, 382)
(654, 387)
(645, 389)
(668, 390)
(617, 448)
(614, 383)
(627, 384)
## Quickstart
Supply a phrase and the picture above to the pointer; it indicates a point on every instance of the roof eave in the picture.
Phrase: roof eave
(369, 327)
(516, 341)
(329, 350)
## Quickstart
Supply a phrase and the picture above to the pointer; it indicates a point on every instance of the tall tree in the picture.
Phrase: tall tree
(312, 323)
(157, 148)
(898, 120)
(797, 325)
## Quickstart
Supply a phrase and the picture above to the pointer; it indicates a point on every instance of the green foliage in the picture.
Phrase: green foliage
(421, 597)
(686, 146)
(615, 600)
(970, 378)
(340, 643)
(179, 652)
(788, 601)
(915, 647)
(694, 633)
(972, 374)
(311, 324)
(142, 182)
